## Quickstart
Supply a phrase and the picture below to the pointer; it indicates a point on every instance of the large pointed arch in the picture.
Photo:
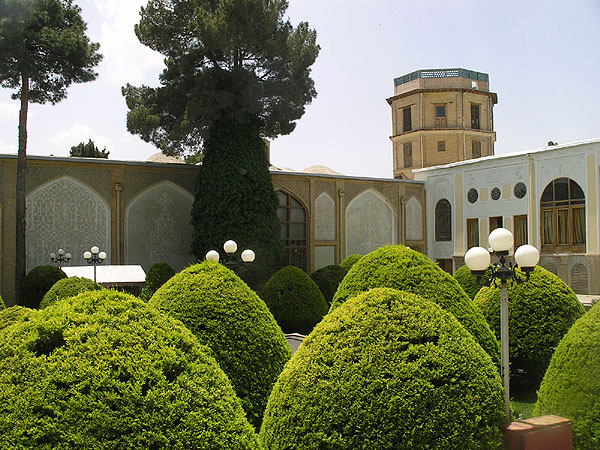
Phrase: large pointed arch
(65, 213)
(293, 217)
(370, 223)
(324, 218)
(157, 227)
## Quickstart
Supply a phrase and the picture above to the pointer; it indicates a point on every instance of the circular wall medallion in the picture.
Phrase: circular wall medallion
(520, 190)
(472, 195)
(495, 193)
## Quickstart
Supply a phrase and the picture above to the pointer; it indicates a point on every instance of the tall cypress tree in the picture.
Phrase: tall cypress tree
(236, 72)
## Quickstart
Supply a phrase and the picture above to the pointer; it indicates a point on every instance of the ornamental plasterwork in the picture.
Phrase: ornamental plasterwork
(157, 227)
(65, 213)
(414, 220)
(324, 218)
(137, 181)
(370, 223)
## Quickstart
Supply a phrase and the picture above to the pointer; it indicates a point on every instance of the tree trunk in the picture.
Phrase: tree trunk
(20, 257)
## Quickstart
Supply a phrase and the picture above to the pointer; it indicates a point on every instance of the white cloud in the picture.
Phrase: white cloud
(126, 60)
(7, 148)
(64, 140)
(9, 110)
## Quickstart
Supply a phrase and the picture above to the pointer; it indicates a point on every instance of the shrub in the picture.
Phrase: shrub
(158, 274)
(349, 261)
(540, 312)
(386, 370)
(327, 279)
(36, 283)
(103, 370)
(68, 287)
(469, 282)
(13, 314)
(295, 300)
(404, 269)
(229, 318)
(2, 304)
(571, 386)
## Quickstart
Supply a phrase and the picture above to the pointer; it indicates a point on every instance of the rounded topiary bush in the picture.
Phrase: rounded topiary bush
(469, 282)
(386, 370)
(103, 370)
(158, 274)
(401, 268)
(295, 300)
(349, 261)
(227, 316)
(571, 386)
(540, 312)
(36, 283)
(68, 287)
(327, 279)
(13, 314)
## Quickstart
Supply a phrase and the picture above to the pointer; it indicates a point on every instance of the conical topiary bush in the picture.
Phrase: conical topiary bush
(328, 279)
(36, 283)
(227, 316)
(387, 370)
(571, 386)
(158, 274)
(68, 287)
(401, 268)
(469, 282)
(540, 312)
(105, 371)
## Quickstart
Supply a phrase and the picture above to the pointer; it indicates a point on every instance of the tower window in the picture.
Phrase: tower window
(440, 115)
(408, 158)
(443, 220)
(406, 119)
(475, 116)
(441, 146)
(476, 149)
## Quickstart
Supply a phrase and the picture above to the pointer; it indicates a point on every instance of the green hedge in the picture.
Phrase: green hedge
(227, 316)
(158, 274)
(469, 282)
(571, 386)
(404, 269)
(68, 287)
(295, 300)
(105, 371)
(387, 370)
(2, 304)
(349, 261)
(540, 312)
(328, 278)
(13, 314)
(36, 283)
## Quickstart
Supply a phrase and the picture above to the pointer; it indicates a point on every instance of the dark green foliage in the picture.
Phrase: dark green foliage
(571, 386)
(13, 314)
(404, 269)
(104, 371)
(68, 287)
(226, 60)
(37, 282)
(328, 278)
(349, 261)
(88, 150)
(469, 282)
(540, 312)
(229, 318)
(158, 274)
(235, 200)
(295, 300)
(386, 370)
(2, 304)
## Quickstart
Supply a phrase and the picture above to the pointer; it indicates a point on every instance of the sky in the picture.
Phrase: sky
(541, 57)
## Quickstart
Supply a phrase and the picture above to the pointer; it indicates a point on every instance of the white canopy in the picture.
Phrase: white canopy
(109, 275)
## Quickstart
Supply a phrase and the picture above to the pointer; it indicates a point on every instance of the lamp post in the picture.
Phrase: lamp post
(230, 247)
(477, 260)
(60, 257)
(94, 256)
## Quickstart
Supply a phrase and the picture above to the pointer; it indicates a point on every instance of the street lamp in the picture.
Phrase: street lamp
(230, 248)
(94, 256)
(477, 260)
(60, 257)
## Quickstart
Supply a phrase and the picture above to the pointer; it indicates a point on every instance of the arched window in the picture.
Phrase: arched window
(443, 220)
(292, 217)
(563, 216)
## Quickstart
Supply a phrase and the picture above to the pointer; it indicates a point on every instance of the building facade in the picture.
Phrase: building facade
(440, 116)
(547, 197)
